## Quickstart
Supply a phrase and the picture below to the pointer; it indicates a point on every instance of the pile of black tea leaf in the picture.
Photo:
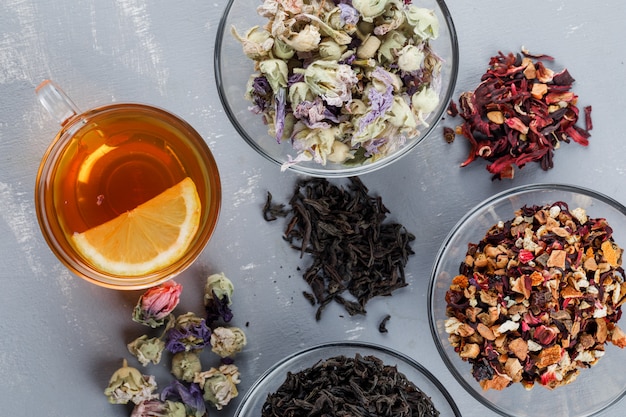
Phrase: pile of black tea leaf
(352, 247)
(344, 386)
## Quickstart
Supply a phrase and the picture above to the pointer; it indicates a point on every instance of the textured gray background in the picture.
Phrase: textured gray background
(61, 338)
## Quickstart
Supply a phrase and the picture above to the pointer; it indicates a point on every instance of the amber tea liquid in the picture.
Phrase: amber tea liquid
(114, 164)
(110, 160)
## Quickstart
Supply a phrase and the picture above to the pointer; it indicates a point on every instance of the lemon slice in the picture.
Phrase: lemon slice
(153, 235)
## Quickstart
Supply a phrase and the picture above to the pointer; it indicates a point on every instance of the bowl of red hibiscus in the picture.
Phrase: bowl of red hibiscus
(347, 378)
(525, 301)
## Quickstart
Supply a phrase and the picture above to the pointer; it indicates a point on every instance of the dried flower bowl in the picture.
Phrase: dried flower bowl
(596, 387)
(273, 378)
(344, 98)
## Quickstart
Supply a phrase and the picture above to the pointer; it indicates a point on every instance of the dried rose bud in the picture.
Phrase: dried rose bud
(218, 293)
(128, 384)
(156, 408)
(227, 341)
(147, 350)
(157, 303)
(185, 365)
(220, 285)
(219, 385)
(188, 333)
(190, 395)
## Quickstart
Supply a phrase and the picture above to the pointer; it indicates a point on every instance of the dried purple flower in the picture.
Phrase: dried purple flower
(156, 408)
(188, 333)
(261, 94)
(190, 395)
(380, 101)
(218, 292)
(280, 102)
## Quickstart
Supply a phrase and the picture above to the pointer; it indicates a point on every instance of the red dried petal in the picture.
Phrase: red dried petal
(517, 124)
(565, 97)
(536, 56)
(526, 128)
(588, 122)
(578, 135)
(452, 109)
(563, 78)
(544, 335)
(473, 144)
(525, 256)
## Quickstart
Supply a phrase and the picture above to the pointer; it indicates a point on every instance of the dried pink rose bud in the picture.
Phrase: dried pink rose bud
(156, 304)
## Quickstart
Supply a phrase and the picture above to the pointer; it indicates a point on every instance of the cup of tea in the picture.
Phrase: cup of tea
(127, 195)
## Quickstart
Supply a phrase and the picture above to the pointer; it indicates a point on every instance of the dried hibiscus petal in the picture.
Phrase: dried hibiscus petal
(519, 113)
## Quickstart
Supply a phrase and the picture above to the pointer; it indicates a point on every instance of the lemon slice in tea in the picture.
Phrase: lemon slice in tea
(153, 235)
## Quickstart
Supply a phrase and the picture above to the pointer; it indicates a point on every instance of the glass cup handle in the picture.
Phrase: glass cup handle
(56, 102)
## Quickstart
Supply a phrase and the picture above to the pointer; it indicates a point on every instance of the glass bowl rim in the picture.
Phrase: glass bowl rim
(347, 344)
(314, 171)
(498, 197)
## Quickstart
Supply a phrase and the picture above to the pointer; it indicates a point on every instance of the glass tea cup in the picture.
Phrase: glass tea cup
(102, 167)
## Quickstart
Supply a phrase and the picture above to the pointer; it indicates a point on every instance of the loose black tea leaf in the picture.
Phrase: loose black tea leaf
(272, 211)
(342, 386)
(382, 327)
(352, 247)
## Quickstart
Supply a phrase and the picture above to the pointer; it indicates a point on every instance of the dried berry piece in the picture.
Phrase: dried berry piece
(520, 113)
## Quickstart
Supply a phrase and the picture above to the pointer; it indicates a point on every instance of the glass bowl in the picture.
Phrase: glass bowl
(596, 388)
(233, 70)
(273, 378)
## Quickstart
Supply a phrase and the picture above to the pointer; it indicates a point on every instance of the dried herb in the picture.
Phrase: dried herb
(382, 327)
(448, 134)
(343, 386)
(353, 249)
(537, 299)
(272, 211)
(184, 336)
(520, 112)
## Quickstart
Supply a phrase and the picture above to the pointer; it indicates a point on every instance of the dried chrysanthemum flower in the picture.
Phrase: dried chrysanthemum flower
(227, 341)
(146, 349)
(219, 385)
(185, 365)
(128, 384)
(188, 333)
(157, 303)
(156, 408)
